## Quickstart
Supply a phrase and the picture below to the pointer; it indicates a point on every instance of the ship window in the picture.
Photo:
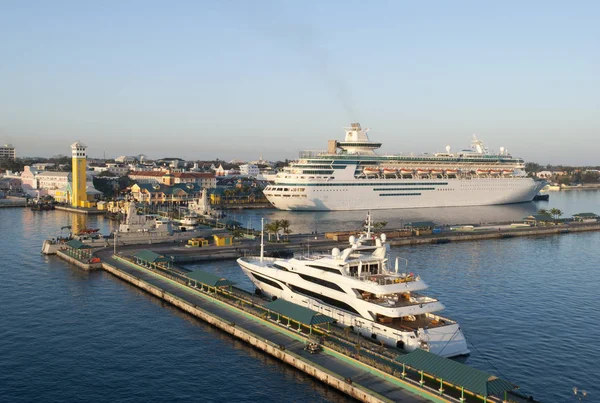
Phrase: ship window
(329, 269)
(280, 267)
(267, 281)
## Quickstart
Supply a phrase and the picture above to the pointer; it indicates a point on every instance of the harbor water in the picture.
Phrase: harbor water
(528, 307)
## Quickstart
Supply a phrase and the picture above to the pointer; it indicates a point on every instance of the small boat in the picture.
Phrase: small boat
(538, 197)
(422, 171)
(437, 171)
(42, 207)
(406, 171)
(507, 172)
(482, 172)
(494, 172)
(390, 171)
(451, 171)
(371, 171)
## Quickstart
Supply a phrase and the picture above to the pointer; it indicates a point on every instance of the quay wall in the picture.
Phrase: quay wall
(352, 389)
(79, 210)
(85, 266)
(476, 236)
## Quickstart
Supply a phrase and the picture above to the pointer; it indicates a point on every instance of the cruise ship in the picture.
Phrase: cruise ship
(361, 290)
(350, 175)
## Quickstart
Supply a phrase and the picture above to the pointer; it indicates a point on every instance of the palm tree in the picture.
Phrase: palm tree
(556, 213)
(379, 225)
(543, 211)
(284, 225)
(271, 228)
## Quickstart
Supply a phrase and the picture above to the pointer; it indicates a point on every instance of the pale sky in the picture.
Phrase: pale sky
(243, 79)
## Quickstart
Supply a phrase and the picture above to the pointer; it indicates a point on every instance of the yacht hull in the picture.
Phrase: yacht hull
(446, 341)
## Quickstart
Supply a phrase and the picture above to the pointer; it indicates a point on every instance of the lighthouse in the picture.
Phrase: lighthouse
(79, 161)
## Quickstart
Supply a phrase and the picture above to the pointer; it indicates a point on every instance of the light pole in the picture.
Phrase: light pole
(115, 243)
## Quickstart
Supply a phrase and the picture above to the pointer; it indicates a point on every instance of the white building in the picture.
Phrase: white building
(117, 169)
(42, 166)
(8, 152)
(126, 159)
(249, 170)
(53, 180)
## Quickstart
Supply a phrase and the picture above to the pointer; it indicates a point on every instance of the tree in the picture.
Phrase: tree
(379, 225)
(543, 211)
(271, 228)
(556, 213)
(284, 225)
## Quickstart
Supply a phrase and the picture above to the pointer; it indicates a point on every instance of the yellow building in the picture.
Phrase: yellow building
(79, 161)
(223, 239)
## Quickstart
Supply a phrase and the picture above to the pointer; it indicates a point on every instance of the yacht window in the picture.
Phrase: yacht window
(329, 269)
(327, 300)
(267, 281)
(322, 282)
(280, 267)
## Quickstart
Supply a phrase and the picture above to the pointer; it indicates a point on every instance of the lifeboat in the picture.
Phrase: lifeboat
(437, 171)
(422, 171)
(451, 171)
(405, 171)
(494, 172)
(371, 171)
(482, 172)
(508, 171)
(390, 171)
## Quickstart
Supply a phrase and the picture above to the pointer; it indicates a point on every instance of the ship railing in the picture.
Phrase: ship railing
(312, 153)
(384, 279)
(398, 300)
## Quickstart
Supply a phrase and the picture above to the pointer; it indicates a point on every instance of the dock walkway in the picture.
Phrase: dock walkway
(369, 385)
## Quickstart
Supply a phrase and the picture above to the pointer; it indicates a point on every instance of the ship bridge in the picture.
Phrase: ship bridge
(357, 141)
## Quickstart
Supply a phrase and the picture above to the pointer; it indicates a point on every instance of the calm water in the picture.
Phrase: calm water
(528, 306)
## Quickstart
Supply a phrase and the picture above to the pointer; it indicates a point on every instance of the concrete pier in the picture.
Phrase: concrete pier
(330, 367)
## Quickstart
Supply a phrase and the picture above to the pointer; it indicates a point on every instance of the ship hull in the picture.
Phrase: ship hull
(401, 193)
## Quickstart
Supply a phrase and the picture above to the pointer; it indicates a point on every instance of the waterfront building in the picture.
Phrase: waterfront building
(48, 183)
(165, 193)
(202, 179)
(8, 152)
(8, 185)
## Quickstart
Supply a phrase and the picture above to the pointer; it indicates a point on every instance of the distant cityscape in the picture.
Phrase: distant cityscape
(168, 180)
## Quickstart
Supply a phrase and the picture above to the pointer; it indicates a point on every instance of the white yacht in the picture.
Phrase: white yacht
(350, 175)
(359, 288)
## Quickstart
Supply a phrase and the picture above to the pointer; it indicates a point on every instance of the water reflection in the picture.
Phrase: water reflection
(309, 221)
